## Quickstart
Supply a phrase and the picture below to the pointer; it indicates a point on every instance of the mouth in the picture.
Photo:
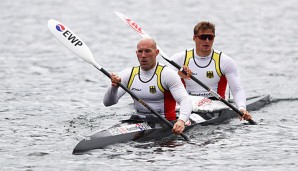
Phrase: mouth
(143, 61)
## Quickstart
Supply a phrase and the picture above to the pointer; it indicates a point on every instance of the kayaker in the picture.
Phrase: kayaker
(156, 84)
(212, 67)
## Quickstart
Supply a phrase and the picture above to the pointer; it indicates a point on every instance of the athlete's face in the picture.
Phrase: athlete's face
(204, 42)
(146, 53)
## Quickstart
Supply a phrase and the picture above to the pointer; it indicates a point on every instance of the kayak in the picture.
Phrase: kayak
(145, 128)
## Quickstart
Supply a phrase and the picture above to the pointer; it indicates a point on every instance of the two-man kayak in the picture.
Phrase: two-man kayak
(145, 128)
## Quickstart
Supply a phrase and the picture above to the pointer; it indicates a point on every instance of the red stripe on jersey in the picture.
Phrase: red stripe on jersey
(183, 82)
(169, 106)
(222, 85)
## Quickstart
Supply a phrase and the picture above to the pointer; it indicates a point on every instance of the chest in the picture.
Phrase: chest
(149, 90)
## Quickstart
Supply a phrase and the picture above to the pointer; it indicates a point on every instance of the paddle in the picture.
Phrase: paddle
(143, 34)
(77, 46)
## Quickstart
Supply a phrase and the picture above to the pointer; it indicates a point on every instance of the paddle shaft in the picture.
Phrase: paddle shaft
(140, 101)
(209, 90)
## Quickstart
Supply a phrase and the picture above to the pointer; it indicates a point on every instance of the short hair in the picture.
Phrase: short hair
(204, 25)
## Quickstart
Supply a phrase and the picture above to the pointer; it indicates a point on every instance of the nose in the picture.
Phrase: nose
(143, 54)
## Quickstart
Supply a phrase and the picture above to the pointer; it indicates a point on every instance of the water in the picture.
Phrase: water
(50, 98)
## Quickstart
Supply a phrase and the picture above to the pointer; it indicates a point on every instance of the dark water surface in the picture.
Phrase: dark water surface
(50, 98)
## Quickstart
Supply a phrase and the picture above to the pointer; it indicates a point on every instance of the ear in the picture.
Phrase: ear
(193, 37)
(156, 52)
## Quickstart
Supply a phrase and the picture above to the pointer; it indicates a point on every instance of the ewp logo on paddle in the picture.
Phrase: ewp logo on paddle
(60, 27)
(69, 35)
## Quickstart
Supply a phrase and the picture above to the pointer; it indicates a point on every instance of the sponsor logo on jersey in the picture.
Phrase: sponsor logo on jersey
(135, 89)
(200, 94)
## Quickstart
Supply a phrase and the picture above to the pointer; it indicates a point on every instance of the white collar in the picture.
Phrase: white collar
(149, 72)
(203, 57)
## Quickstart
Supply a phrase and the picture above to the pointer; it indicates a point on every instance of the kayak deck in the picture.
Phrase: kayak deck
(144, 131)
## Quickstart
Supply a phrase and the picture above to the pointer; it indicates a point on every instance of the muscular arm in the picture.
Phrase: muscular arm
(229, 69)
(113, 94)
(172, 82)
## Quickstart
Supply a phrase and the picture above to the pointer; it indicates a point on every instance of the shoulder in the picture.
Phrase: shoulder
(125, 74)
(227, 64)
(224, 58)
(127, 70)
(168, 74)
(166, 69)
(184, 51)
(170, 78)
(180, 54)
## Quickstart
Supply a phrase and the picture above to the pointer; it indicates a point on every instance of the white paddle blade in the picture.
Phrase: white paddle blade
(71, 40)
(138, 30)
(133, 25)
